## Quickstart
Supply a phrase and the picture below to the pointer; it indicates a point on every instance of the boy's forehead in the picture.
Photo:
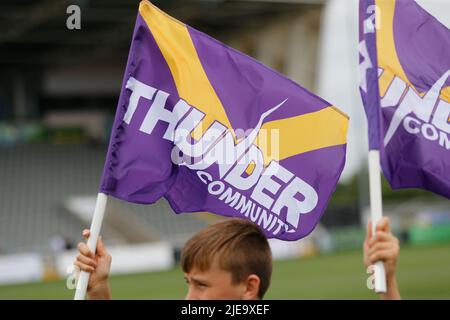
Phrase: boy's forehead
(214, 270)
(204, 266)
(197, 273)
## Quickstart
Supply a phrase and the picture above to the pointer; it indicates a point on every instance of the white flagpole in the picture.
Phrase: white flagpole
(376, 209)
(96, 225)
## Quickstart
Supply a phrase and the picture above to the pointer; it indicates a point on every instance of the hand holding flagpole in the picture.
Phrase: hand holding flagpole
(96, 225)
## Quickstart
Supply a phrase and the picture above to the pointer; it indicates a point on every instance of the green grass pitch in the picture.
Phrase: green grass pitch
(423, 273)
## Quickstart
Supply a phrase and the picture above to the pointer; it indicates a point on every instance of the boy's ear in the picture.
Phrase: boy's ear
(252, 287)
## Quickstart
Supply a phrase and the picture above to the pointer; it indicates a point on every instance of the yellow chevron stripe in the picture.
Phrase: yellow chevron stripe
(308, 132)
(387, 54)
(192, 83)
(445, 95)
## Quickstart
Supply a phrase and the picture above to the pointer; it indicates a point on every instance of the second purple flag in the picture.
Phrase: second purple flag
(405, 86)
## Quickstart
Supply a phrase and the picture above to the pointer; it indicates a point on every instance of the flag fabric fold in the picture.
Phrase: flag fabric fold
(211, 129)
(405, 87)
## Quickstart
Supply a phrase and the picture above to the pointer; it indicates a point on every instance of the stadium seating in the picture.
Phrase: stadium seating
(38, 179)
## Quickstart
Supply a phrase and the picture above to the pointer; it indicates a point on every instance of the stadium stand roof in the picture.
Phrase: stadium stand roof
(34, 32)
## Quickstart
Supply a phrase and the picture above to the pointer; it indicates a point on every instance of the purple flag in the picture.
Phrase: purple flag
(405, 87)
(211, 129)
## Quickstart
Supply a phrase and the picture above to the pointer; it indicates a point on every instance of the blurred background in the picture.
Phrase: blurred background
(59, 87)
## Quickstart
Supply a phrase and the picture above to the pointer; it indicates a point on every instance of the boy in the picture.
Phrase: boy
(232, 260)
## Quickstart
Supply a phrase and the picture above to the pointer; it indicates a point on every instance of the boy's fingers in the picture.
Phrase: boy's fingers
(380, 246)
(86, 233)
(383, 225)
(380, 236)
(381, 255)
(84, 250)
(369, 230)
(86, 260)
(84, 267)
